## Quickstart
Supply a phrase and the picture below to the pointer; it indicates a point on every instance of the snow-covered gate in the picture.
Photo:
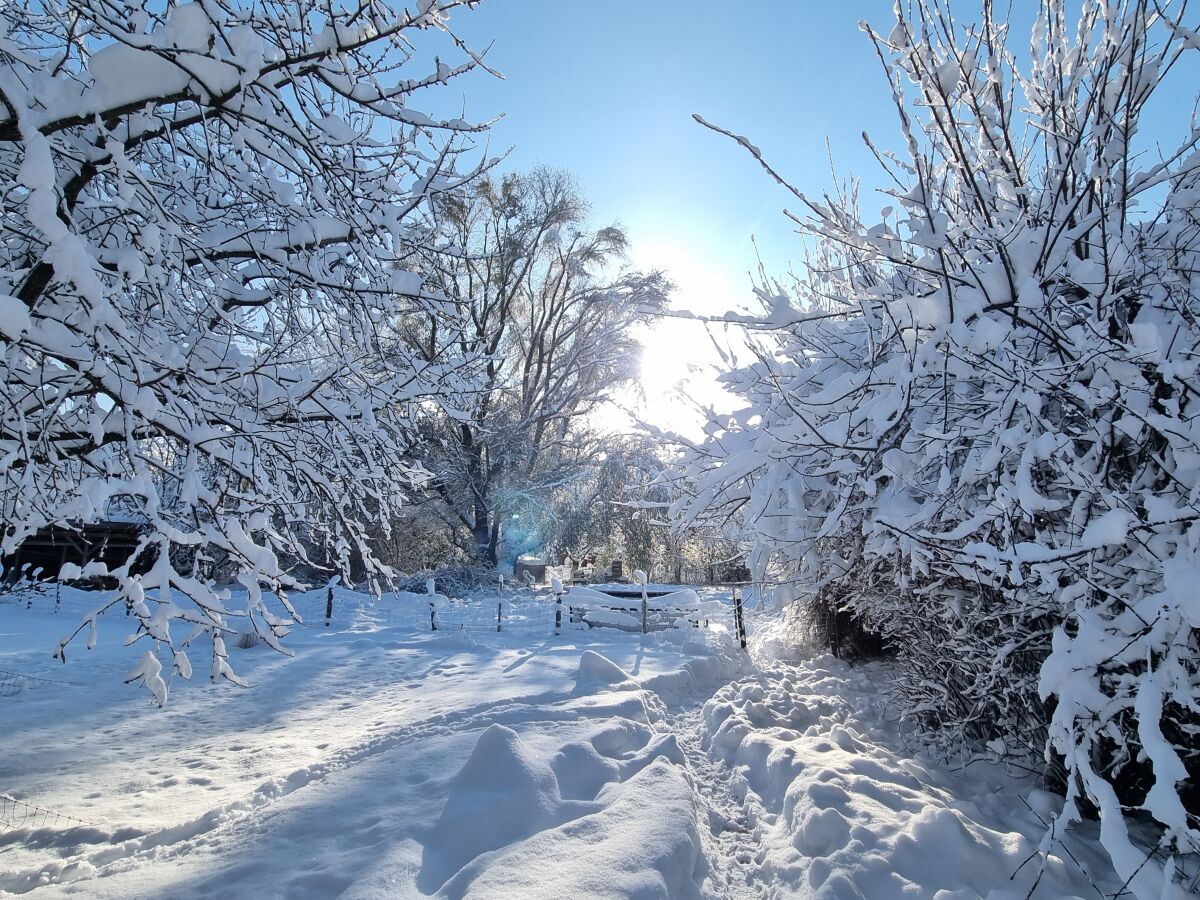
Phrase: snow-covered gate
(628, 608)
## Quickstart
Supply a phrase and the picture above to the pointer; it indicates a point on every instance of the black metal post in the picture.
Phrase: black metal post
(739, 621)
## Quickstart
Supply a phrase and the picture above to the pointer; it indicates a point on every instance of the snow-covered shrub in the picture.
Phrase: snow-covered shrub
(208, 211)
(973, 421)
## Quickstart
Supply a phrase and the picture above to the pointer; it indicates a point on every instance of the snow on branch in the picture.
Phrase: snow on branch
(211, 214)
(978, 436)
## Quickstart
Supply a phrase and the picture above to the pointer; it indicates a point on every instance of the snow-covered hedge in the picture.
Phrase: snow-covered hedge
(973, 422)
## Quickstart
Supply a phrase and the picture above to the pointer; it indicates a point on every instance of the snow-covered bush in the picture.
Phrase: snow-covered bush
(972, 423)
(207, 212)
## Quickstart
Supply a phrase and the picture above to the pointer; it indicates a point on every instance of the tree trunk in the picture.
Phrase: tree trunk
(493, 544)
(482, 531)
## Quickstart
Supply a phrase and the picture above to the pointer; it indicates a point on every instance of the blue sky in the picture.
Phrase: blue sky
(606, 89)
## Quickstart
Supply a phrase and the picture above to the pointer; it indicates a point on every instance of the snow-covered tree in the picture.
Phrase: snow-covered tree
(205, 211)
(972, 423)
(547, 313)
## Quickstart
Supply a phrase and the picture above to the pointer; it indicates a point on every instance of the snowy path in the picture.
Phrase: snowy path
(732, 847)
(385, 763)
(837, 806)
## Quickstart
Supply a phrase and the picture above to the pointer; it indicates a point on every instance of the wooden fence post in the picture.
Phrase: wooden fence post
(328, 605)
(738, 620)
(558, 613)
(499, 613)
(432, 616)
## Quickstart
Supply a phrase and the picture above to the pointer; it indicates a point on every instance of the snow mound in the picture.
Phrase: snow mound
(582, 771)
(595, 669)
(409, 599)
(684, 599)
(619, 852)
(503, 793)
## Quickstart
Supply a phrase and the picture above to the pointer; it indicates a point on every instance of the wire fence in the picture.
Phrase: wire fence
(531, 616)
(315, 607)
(50, 598)
(525, 611)
(478, 616)
(18, 815)
(12, 683)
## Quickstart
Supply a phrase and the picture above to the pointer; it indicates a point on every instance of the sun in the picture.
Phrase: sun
(679, 359)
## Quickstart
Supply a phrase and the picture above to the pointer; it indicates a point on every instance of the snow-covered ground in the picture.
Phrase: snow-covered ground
(386, 761)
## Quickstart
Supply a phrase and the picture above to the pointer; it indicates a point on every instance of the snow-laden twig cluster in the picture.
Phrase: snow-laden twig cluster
(973, 423)
(208, 213)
